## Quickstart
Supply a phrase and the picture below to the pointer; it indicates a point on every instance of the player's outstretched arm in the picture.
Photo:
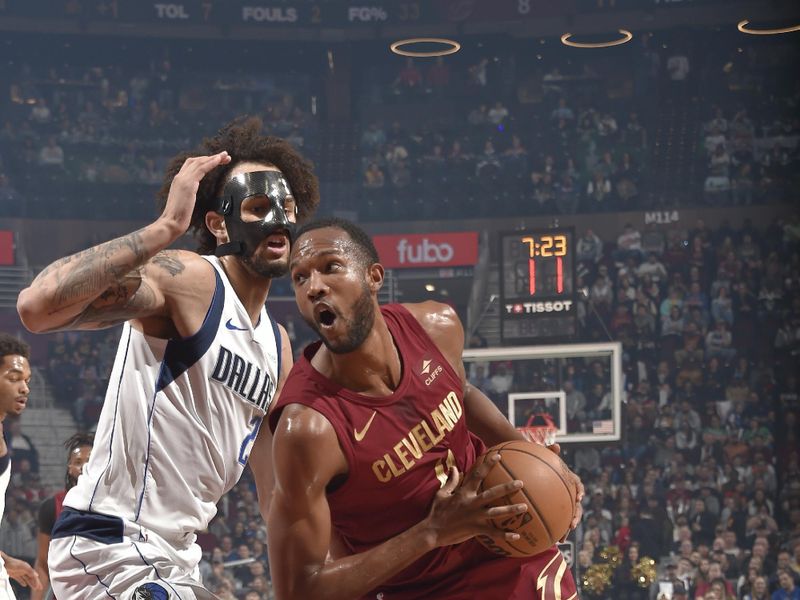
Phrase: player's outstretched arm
(109, 279)
(307, 457)
(21, 572)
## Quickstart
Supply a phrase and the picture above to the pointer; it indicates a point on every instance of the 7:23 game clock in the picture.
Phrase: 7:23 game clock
(537, 285)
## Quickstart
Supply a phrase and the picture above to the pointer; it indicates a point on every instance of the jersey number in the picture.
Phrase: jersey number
(244, 449)
(549, 580)
(442, 467)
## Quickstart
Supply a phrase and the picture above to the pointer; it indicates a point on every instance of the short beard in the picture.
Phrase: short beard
(357, 329)
(266, 269)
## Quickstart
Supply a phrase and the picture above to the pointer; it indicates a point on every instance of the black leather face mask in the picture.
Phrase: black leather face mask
(246, 237)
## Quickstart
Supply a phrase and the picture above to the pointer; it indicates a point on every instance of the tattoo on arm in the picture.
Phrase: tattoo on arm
(96, 269)
(122, 301)
(170, 262)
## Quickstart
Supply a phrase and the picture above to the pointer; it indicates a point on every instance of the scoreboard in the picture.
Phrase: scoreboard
(537, 285)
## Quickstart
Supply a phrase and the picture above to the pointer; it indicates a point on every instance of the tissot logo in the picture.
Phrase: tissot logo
(522, 308)
(432, 373)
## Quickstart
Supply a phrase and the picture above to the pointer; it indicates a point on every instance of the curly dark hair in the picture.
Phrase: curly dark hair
(78, 440)
(243, 140)
(11, 345)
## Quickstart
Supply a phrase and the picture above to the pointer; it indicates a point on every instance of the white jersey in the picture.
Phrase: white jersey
(179, 419)
(6, 593)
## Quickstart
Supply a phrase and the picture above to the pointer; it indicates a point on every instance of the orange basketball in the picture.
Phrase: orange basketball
(548, 491)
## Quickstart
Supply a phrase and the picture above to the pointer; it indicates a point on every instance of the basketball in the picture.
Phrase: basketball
(548, 491)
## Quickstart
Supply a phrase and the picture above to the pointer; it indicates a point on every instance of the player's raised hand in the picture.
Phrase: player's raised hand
(460, 512)
(183, 191)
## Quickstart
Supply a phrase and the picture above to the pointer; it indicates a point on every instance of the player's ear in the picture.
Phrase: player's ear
(375, 275)
(215, 223)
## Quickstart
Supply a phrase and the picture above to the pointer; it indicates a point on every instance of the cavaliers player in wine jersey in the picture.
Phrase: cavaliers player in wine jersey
(376, 436)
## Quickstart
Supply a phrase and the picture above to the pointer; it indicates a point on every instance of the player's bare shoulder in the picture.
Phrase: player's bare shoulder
(174, 270)
(436, 318)
(304, 435)
(187, 283)
(440, 321)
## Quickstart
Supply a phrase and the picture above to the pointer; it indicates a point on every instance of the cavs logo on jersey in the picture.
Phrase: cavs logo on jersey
(150, 591)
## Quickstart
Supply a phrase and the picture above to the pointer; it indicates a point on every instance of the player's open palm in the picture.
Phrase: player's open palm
(183, 190)
(460, 512)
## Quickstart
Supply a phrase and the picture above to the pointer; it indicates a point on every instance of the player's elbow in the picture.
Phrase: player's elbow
(32, 311)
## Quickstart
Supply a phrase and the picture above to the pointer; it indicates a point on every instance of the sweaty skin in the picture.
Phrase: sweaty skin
(329, 279)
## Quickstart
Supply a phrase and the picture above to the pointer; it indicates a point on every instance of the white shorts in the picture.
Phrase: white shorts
(6, 592)
(95, 557)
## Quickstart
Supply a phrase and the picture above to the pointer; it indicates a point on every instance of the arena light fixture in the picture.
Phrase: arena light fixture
(627, 36)
(451, 47)
(742, 26)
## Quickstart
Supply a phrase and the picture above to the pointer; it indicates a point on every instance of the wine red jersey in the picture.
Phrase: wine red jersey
(399, 449)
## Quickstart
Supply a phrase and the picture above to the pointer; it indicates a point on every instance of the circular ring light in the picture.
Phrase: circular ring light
(627, 36)
(742, 26)
(452, 47)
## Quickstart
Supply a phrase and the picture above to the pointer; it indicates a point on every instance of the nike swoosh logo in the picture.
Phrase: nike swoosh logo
(233, 327)
(359, 435)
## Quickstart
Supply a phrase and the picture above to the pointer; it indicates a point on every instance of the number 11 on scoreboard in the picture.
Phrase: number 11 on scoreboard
(532, 276)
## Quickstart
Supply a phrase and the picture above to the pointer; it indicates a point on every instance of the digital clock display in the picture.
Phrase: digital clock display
(537, 284)
(537, 265)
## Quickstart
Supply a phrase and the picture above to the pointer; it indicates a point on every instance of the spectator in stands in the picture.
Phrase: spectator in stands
(497, 114)
(374, 137)
(438, 76)
(51, 155)
(788, 589)
(758, 590)
(562, 111)
(40, 113)
(589, 247)
(20, 445)
(652, 268)
(678, 66)
(479, 73)
(374, 177)
(409, 79)
(629, 243)
(598, 193)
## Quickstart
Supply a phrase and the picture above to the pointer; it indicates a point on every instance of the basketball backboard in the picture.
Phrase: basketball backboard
(575, 389)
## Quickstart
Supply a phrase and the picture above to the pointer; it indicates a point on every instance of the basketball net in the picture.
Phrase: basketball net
(540, 429)
(539, 435)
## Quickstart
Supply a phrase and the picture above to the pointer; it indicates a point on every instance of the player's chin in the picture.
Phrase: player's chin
(270, 267)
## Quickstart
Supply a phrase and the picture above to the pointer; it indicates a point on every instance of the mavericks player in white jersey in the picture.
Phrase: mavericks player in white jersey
(198, 366)
(15, 375)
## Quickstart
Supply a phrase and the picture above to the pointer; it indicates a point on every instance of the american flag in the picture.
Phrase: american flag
(606, 426)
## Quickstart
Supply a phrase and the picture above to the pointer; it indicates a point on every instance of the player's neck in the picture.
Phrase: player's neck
(251, 289)
(374, 369)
